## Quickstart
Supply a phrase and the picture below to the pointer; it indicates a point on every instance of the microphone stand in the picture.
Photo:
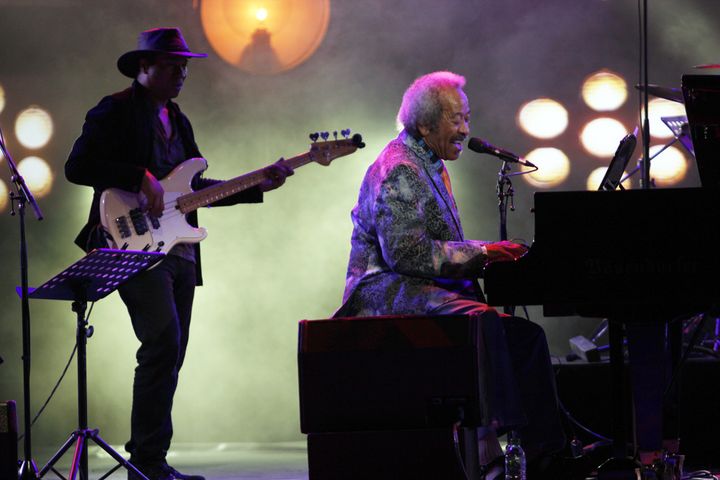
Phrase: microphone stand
(645, 180)
(505, 194)
(22, 195)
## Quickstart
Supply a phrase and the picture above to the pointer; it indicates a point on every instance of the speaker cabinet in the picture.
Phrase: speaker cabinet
(383, 373)
(379, 397)
(392, 455)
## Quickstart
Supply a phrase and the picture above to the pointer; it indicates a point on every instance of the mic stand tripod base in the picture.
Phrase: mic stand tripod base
(80, 439)
(28, 470)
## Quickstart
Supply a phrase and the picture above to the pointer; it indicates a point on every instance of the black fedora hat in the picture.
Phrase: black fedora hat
(157, 40)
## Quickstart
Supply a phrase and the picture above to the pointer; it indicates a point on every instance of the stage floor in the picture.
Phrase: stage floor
(226, 461)
(237, 461)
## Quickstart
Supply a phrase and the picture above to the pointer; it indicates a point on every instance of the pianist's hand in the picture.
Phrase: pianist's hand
(505, 251)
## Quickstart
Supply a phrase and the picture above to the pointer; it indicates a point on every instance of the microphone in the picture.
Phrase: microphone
(481, 146)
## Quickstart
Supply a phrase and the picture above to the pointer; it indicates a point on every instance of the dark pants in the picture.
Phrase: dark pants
(160, 303)
(517, 377)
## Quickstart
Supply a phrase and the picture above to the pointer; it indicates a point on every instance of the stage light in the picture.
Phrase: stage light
(658, 108)
(604, 91)
(37, 175)
(3, 196)
(669, 167)
(2, 98)
(33, 127)
(261, 14)
(543, 118)
(597, 175)
(553, 167)
(601, 136)
(265, 36)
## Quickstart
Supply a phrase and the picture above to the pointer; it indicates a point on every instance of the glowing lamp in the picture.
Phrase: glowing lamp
(601, 136)
(669, 167)
(658, 108)
(3, 196)
(265, 36)
(37, 175)
(261, 14)
(604, 91)
(33, 127)
(553, 167)
(543, 118)
(2, 98)
(597, 175)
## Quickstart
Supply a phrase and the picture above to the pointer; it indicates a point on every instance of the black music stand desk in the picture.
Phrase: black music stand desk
(91, 278)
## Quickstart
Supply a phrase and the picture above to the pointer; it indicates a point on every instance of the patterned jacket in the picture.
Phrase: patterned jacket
(408, 251)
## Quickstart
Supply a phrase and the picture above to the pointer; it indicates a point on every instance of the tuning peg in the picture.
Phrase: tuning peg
(314, 136)
(335, 134)
(345, 133)
(324, 135)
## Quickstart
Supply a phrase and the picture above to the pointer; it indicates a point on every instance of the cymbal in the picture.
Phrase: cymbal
(668, 93)
(708, 65)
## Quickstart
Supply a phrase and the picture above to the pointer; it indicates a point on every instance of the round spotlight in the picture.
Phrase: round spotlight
(658, 108)
(3, 196)
(543, 118)
(261, 14)
(604, 91)
(33, 127)
(2, 98)
(265, 39)
(602, 136)
(597, 175)
(553, 167)
(37, 175)
(669, 167)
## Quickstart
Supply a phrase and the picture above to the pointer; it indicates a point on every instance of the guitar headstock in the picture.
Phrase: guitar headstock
(328, 150)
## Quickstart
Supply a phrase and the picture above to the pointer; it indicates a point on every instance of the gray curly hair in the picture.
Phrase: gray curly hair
(421, 101)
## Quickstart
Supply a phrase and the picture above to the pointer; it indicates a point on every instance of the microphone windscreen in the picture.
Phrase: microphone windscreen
(477, 145)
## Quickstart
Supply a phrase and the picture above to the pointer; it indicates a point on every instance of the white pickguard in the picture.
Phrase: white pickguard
(116, 207)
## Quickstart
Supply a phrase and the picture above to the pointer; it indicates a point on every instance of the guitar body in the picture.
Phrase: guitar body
(129, 228)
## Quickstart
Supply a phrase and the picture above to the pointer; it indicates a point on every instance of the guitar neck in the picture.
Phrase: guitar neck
(202, 198)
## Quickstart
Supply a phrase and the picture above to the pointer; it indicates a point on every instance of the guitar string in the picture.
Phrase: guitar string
(174, 211)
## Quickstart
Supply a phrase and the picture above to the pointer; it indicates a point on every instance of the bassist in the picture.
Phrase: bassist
(129, 141)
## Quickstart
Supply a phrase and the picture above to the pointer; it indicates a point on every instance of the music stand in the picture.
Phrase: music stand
(680, 128)
(91, 278)
(613, 175)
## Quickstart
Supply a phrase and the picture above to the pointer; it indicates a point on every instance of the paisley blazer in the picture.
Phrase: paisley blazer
(408, 252)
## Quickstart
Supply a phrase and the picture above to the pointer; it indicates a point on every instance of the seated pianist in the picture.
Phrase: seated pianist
(409, 256)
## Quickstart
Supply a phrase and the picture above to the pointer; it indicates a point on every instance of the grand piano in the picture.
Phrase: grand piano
(640, 258)
(617, 254)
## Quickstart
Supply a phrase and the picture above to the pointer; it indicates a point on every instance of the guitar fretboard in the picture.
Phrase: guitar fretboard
(202, 198)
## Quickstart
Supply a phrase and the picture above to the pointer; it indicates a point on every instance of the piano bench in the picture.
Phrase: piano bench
(387, 391)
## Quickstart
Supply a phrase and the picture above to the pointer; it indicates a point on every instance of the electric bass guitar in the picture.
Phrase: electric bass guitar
(128, 227)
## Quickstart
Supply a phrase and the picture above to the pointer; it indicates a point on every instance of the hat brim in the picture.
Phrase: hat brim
(128, 63)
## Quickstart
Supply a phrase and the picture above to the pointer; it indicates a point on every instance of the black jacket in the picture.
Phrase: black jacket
(114, 149)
